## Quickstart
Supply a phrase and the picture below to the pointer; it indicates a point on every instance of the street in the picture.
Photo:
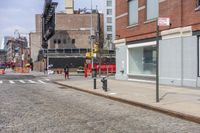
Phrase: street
(36, 107)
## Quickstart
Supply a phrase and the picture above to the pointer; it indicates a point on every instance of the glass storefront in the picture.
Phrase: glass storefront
(142, 60)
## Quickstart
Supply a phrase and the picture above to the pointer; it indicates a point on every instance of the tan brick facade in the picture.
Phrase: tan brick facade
(35, 44)
(75, 21)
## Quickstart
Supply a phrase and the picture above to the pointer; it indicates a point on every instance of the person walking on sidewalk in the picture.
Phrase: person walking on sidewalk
(66, 71)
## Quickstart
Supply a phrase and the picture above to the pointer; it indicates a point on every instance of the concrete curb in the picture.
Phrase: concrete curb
(142, 105)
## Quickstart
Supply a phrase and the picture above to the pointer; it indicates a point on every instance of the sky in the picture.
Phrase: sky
(20, 14)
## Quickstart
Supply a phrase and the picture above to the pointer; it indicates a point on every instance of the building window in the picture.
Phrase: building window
(64, 41)
(59, 41)
(152, 9)
(142, 60)
(109, 36)
(109, 19)
(109, 28)
(198, 3)
(109, 11)
(54, 41)
(73, 41)
(133, 11)
(109, 3)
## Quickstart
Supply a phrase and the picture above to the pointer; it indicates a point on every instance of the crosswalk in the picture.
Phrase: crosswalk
(39, 81)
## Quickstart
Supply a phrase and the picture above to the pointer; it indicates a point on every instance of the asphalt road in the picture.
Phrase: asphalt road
(48, 108)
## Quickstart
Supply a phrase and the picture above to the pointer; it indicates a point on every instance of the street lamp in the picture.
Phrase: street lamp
(91, 34)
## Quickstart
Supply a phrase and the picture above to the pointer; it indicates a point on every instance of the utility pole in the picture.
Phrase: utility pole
(91, 37)
(22, 62)
(157, 61)
(160, 22)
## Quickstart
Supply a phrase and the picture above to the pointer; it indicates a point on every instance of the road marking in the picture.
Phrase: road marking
(47, 79)
(22, 81)
(1, 82)
(12, 82)
(112, 93)
(41, 81)
(31, 81)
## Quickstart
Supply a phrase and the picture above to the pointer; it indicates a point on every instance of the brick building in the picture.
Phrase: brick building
(179, 42)
(17, 51)
(10, 50)
(2, 57)
(71, 38)
(109, 23)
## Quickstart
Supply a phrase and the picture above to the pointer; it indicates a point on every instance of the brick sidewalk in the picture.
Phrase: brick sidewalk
(176, 101)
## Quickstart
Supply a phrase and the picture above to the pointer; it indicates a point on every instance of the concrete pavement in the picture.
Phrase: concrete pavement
(51, 108)
(176, 101)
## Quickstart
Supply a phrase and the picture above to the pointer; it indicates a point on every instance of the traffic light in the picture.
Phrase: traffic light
(96, 48)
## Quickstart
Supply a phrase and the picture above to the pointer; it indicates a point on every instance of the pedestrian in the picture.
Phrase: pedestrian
(66, 71)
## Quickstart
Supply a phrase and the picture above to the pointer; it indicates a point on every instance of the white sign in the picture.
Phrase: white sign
(23, 57)
(163, 22)
(95, 55)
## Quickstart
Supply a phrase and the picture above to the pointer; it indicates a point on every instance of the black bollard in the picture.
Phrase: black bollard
(94, 75)
(95, 83)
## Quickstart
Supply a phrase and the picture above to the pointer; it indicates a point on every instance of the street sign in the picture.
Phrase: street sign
(94, 55)
(163, 21)
(23, 57)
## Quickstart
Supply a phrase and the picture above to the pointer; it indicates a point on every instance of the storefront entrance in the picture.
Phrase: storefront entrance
(142, 61)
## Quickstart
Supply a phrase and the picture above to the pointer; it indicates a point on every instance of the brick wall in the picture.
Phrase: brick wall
(66, 39)
(181, 12)
(35, 44)
(68, 26)
(75, 21)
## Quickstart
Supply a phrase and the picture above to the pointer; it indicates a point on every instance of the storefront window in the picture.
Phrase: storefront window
(142, 60)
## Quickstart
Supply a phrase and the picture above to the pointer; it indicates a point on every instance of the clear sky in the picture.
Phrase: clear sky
(20, 14)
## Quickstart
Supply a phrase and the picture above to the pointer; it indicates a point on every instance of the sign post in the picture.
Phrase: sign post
(160, 22)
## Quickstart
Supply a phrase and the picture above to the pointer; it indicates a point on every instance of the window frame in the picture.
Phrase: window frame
(109, 27)
(197, 5)
(59, 41)
(109, 36)
(109, 1)
(73, 41)
(130, 24)
(109, 18)
(147, 12)
(109, 12)
(54, 41)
